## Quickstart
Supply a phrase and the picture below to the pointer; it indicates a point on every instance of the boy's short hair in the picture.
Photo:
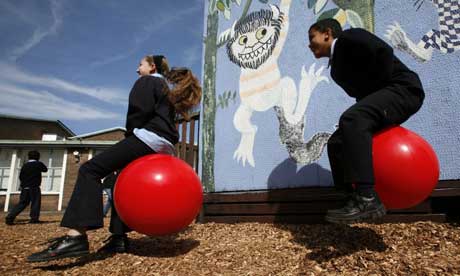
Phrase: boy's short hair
(33, 154)
(328, 23)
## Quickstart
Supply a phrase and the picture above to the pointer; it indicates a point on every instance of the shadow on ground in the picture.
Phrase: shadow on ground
(329, 241)
(26, 221)
(162, 247)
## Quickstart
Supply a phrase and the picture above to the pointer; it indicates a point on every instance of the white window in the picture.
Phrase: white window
(49, 137)
(5, 163)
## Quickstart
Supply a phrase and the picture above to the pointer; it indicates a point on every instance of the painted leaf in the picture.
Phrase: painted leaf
(311, 3)
(227, 14)
(220, 5)
(320, 4)
(227, 3)
(328, 14)
(354, 19)
(341, 16)
(212, 6)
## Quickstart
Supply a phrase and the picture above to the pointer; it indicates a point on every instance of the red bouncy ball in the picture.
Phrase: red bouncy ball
(406, 168)
(158, 194)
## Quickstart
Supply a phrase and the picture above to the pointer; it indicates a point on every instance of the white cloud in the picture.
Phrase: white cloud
(24, 102)
(39, 33)
(148, 30)
(11, 74)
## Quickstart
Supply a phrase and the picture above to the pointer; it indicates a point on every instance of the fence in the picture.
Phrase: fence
(187, 148)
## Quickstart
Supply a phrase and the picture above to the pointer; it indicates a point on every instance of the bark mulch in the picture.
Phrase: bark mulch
(422, 248)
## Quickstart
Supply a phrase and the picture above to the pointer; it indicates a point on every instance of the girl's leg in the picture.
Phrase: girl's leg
(84, 210)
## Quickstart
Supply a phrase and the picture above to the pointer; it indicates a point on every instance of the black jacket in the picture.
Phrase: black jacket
(362, 63)
(150, 108)
(109, 181)
(31, 174)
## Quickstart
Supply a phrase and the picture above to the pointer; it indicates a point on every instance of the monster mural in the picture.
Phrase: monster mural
(446, 39)
(255, 44)
(262, 87)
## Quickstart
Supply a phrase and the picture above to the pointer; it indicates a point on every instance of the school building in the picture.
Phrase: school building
(62, 152)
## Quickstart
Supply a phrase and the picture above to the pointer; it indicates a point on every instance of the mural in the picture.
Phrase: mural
(269, 108)
(446, 38)
(255, 43)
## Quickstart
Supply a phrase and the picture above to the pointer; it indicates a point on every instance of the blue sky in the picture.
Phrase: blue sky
(75, 60)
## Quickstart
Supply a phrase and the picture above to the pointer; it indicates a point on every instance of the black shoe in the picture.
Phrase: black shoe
(34, 221)
(357, 209)
(9, 221)
(62, 247)
(115, 244)
(349, 203)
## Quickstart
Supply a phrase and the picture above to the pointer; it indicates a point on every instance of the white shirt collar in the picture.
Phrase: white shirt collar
(157, 75)
(332, 51)
(332, 47)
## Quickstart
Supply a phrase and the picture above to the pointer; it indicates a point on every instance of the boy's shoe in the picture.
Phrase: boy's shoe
(115, 244)
(34, 221)
(62, 247)
(357, 209)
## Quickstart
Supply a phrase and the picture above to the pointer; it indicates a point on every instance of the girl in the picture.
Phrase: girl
(150, 128)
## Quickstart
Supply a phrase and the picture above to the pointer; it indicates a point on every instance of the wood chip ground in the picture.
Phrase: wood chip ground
(422, 248)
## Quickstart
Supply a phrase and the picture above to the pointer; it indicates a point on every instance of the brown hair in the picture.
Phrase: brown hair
(186, 90)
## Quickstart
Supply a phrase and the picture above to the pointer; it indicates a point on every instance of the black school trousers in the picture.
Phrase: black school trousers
(85, 210)
(350, 146)
(28, 195)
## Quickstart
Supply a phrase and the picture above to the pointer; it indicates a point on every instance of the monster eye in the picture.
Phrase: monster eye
(243, 40)
(261, 33)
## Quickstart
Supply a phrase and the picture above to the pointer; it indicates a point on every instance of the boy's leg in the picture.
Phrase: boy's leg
(24, 200)
(36, 200)
(390, 106)
(336, 161)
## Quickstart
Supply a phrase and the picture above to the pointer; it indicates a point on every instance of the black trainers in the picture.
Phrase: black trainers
(115, 244)
(34, 221)
(9, 221)
(62, 247)
(358, 208)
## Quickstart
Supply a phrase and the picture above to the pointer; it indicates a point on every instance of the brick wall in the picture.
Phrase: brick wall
(20, 129)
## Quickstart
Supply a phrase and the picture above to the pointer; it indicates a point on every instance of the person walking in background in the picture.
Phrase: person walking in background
(31, 179)
(107, 187)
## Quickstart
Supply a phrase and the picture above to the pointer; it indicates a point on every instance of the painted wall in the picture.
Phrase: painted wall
(267, 113)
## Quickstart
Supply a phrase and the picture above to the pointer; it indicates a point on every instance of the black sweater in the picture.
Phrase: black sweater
(362, 63)
(31, 174)
(150, 108)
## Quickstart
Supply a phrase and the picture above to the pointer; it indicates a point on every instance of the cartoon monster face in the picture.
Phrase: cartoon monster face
(254, 38)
